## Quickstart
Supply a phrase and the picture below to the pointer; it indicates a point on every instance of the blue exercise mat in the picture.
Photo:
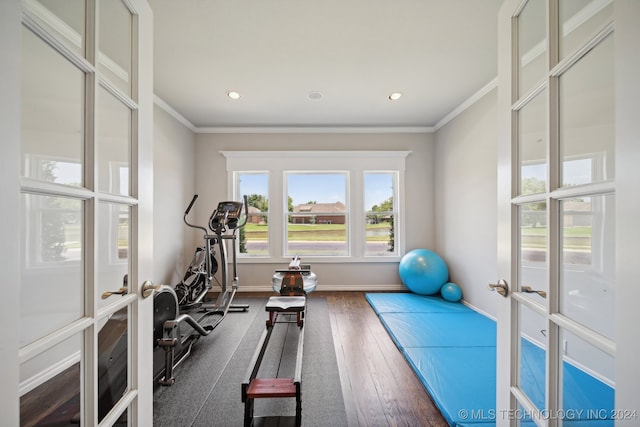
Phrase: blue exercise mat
(457, 329)
(460, 380)
(452, 349)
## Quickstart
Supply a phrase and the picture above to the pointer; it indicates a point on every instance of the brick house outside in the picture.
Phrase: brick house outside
(319, 213)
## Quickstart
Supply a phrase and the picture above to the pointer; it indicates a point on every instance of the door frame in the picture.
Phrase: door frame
(142, 376)
(627, 104)
(504, 214)
(10, 64)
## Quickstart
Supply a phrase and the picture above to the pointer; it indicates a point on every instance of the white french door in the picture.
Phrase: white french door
(563, 178)
(83, 239)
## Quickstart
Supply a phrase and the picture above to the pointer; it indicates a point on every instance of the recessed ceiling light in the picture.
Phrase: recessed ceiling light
(395, 95)
(233, 94)
(315, 95)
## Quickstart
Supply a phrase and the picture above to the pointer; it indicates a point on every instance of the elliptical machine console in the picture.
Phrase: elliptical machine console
(226, 215)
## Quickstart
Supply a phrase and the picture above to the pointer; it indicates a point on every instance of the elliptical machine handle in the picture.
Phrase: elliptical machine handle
(186, 213)
(195, 197)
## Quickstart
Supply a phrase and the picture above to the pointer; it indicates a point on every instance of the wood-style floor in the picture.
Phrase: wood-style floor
(379, 386)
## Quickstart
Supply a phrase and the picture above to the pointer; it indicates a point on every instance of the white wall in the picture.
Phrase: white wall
(465, 200)
(173, 186)
(211, 184)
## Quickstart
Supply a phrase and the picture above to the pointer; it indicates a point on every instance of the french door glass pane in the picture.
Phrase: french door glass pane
(587, 275)
(587, 144)
(113, 249)
(317, 214)
(66, 19)
(113, 361)
(52, 288)
(588, 386)
(520, 415)
(254, 237)
(533, 251)
(114, 142)
(115, 44)
(52, 114)
(532, 146)
(532, 47)
(532, 330)
(379, 190)
(580, 20)
(52, 379)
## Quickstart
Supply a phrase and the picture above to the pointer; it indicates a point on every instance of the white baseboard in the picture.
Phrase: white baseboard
(474, 308)
(332, 288)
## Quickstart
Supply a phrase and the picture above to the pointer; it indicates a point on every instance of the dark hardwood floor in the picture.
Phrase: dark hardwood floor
(379, 386)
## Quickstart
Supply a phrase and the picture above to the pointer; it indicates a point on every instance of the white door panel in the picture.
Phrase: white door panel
(77, 155)
(560, 247)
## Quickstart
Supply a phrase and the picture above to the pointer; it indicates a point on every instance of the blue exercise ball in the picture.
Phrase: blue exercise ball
(451, 292)
(423, 271)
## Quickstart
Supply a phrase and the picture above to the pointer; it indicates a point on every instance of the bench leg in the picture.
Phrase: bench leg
(298, 405)
(248, 413)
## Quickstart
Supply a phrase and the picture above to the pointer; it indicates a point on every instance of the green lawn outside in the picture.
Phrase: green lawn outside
(574, 237)
(315, 232)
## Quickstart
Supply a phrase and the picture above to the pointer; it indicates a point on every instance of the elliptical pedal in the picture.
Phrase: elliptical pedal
(190, 307)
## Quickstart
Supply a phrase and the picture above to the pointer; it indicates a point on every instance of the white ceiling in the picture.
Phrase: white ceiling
(438, 53)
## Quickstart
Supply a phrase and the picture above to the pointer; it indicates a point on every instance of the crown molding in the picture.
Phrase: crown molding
(468, 103)
(173, 113)
(317, 129)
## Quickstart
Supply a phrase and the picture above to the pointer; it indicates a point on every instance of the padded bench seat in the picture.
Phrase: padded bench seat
(286, 304)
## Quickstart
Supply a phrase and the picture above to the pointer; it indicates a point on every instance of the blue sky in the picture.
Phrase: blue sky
(322, 188)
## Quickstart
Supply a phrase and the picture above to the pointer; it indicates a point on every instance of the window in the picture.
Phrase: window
(254, 236)
(380, 212)
(317, 214)
(334, 206)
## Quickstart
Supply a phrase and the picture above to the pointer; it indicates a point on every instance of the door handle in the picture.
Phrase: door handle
(529, 290)
(148, 288)
(500, 287)
(121, 291)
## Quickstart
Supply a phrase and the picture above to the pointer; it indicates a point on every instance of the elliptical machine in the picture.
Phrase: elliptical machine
(181, 315)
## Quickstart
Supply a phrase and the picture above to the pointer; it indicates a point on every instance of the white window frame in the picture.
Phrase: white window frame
(354, 162)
